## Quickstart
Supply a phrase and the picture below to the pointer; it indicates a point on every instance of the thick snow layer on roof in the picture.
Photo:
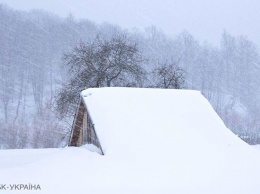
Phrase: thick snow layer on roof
(155, 141)
(122, 116)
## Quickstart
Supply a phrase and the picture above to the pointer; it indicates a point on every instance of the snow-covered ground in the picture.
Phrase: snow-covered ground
(155, 141)
(257, 147)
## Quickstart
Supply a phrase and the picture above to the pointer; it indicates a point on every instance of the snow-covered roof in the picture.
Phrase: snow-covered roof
(123, 115)
(155, 141)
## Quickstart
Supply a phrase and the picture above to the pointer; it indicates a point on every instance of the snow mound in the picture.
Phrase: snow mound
(155, 141)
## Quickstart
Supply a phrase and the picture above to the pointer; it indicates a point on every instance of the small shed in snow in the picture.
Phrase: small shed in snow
(159, 141)
(83, 129)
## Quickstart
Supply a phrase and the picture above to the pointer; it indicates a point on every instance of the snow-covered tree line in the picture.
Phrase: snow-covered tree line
(31, 48)
(33, 72)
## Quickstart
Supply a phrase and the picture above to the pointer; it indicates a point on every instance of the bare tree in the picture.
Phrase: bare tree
(101, 63)
(6, 89)
(169, 75)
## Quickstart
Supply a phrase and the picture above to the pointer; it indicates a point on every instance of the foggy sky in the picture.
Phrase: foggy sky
(205, 19)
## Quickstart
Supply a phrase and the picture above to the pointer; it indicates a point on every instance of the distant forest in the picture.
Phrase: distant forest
(35, 48)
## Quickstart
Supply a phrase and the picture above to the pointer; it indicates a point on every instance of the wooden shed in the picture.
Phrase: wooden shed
(83, 130)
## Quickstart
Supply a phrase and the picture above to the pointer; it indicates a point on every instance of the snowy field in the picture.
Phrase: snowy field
(257, 147)
(155, 141)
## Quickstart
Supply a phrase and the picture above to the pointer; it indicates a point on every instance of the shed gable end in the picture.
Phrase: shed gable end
(83, 130)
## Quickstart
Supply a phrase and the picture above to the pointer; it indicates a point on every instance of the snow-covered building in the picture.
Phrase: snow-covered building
(105, 111)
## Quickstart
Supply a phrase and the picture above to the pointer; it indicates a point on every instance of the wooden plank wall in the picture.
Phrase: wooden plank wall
(83, 129)
(76, 137)
(89, 131)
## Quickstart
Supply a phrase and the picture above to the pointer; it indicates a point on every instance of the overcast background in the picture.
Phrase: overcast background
(205, 19)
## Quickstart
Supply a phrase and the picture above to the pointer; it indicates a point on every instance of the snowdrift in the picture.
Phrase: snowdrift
(154, 140)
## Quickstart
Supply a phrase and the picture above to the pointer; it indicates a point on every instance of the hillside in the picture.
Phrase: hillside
(172, 16)
(33, 71)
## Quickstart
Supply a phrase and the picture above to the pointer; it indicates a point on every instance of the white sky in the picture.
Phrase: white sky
(205, 19)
